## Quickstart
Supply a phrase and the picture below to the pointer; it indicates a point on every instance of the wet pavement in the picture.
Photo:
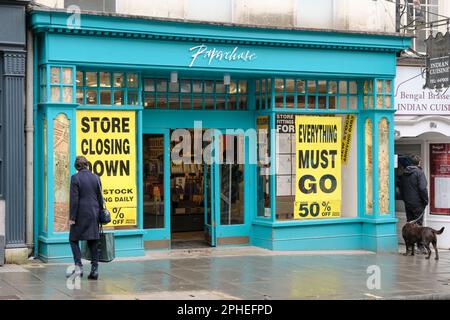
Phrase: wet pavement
(239, 273)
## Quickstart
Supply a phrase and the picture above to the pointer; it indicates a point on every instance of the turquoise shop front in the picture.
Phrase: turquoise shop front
(158, 107)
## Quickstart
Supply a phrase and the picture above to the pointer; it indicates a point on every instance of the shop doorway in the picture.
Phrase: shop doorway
(191, 201)
(207, 195)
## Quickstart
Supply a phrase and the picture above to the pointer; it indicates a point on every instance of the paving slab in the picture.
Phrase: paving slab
(240, 273)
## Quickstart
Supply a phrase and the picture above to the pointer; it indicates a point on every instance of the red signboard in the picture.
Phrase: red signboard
(440, 178)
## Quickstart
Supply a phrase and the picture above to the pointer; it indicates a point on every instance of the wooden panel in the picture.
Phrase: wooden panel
(156, 244)
(232, 240)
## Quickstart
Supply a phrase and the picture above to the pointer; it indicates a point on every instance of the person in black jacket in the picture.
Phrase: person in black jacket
(85, 203)
(414, 192)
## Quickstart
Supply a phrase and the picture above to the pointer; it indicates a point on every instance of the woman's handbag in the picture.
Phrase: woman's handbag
(106, 247)
(104, 217)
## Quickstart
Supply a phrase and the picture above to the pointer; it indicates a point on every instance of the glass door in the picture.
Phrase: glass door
(211, 186)
(155, 188)
(224, 189)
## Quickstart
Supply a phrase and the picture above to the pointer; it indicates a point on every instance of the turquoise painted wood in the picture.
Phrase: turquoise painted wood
(159, 47)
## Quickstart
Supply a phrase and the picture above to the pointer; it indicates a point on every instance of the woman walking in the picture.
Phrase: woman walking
(85, 203)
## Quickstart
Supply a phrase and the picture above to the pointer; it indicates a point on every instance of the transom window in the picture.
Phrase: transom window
(378, 94)
(160, 93)
(59, 87)
(107, 88)
(307, 94)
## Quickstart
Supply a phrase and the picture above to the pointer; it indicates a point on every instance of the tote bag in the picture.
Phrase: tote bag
(106, 247)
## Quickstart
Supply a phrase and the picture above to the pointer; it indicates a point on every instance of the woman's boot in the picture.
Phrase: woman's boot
(94, 272)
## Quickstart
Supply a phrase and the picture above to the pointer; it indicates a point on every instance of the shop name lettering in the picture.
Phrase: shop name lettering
(417, 105)
(439, 67)
(214, 54)
(106, 146)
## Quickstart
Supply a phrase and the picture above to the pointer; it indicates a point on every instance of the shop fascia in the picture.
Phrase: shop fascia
(214, 54)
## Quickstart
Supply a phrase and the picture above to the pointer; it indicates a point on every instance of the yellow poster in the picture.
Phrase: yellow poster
(349, 124)
(318, 167)
(108, 141)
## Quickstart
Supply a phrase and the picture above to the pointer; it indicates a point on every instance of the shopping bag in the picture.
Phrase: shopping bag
(106, 247)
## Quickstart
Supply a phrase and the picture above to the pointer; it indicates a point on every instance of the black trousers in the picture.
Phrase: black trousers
(93, 248)
(413, 214)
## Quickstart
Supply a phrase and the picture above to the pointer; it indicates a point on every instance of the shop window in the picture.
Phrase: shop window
(45, 182)
(195, 94)
(378, 94)
(153, 185)
(384, 94)
(439, 155)
(368, 94)
(310, 94)
(285, 177)
(383, 166)
(368, 166)
(286, 169)
(108, 88)
(61, 172)
(231, 176)
(263, 168)
(61, 84)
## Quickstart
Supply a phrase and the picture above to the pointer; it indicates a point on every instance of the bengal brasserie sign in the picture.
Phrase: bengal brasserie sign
(213, 54)
(438, 60)
(108, 141)
(412, 99)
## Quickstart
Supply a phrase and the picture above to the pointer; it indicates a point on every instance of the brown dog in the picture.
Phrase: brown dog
(414, 233)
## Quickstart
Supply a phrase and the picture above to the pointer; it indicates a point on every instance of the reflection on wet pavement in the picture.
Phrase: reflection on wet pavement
(338, 276)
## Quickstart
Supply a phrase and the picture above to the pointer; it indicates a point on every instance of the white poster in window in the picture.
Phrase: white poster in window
(284, 143)
(284, 186)
(284, 164)
(442, 192)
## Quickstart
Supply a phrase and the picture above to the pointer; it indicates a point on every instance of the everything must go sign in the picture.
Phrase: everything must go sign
(411, 99)
(318, 167)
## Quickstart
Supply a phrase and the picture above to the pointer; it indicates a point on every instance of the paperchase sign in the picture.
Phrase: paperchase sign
(412, 99)
(212, 54)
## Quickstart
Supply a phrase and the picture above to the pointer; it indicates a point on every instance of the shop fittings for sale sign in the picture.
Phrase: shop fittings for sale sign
(318, 167)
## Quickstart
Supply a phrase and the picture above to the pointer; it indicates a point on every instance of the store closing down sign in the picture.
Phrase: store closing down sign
(318, 167)
(108, 141)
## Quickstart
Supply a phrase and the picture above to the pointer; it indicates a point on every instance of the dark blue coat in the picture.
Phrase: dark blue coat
(414, 188)
(85, 202)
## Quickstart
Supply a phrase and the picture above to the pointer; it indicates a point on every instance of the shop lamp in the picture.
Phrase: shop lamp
(174, 77)
(226, 79)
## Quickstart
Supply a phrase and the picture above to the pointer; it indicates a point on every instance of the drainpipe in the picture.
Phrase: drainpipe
(29, 130)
